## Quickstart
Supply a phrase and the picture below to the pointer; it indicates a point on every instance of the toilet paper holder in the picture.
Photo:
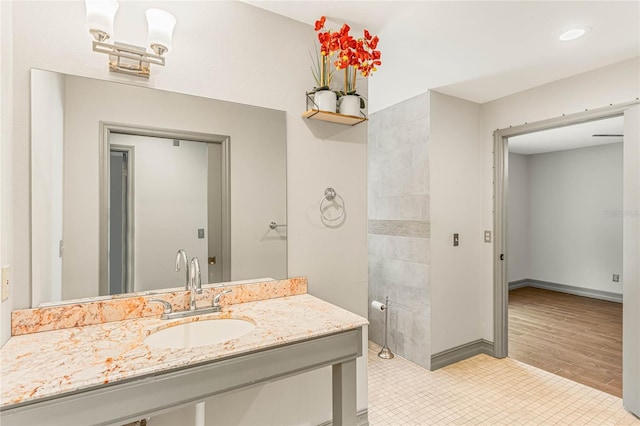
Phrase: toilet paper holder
(378, 306)
(385, 352)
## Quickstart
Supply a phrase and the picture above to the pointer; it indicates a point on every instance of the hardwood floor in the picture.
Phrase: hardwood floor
(576, 337)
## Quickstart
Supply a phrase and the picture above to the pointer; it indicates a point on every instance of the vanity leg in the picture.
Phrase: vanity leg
(344, 393)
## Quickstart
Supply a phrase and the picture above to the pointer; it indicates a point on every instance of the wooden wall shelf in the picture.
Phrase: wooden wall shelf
(333, 117)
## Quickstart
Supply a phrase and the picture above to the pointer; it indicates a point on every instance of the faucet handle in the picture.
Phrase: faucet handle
(167, 306)
(216, 298)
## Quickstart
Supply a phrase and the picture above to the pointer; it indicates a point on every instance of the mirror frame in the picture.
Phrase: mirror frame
(106, 128)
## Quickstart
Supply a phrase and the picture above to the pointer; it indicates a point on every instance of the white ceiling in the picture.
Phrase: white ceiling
(478, 50)
(569, 137)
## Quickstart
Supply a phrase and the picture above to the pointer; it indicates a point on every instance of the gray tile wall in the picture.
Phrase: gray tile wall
(399, 227)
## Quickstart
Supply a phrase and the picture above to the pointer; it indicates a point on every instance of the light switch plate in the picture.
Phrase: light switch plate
(616, 278)
(456, 240)
(6, 277)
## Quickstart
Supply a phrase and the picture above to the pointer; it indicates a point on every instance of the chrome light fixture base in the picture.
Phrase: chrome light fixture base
(159, 49)
(128, 59)
(99, 35)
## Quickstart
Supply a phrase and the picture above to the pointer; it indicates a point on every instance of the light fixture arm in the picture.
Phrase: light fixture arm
(128, 59)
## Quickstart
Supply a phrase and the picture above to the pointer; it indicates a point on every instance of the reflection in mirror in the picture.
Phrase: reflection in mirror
(124, 176)
(163, 192)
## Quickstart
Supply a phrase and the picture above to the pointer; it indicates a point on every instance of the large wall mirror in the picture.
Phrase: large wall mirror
(124, 176)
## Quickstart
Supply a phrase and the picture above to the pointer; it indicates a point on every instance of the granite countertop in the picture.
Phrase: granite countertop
(53, 363)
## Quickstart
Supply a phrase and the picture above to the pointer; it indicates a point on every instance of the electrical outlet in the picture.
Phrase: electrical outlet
(487, 236)
(6, 277)
(616, 278)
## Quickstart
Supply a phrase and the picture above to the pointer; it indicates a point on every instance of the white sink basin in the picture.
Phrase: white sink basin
(199, 333)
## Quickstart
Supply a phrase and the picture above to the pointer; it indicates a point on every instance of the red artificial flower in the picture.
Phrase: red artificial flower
(329, 42)
(374, 42)
(346, 42)
(358, 53)
(368, 57)
(320, 23)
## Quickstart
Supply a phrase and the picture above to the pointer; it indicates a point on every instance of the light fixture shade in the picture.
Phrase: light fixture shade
(160, 24)
(100, 16)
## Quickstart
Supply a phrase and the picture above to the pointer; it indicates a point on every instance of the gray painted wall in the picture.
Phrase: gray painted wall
(572, 231)
(456, 297)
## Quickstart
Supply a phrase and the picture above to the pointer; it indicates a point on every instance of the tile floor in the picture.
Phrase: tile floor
(483, 391)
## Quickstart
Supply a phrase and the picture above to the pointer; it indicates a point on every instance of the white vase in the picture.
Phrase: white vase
(325, 100)
(350, 105)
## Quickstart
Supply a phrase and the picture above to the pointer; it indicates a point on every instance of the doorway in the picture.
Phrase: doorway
(120, 215)
(565, 251)
(178, 198)
(631, 349)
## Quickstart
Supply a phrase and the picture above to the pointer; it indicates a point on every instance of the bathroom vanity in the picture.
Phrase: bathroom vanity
(105, 373)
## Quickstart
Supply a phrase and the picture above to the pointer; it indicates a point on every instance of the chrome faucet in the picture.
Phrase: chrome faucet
(182, 256)
(194, 286)
(215, 304)
(195, 282)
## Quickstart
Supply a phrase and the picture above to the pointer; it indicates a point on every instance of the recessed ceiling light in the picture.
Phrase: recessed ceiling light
(574, 33)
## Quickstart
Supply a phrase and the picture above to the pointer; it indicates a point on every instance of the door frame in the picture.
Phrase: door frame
(106, 128)
(500, 193)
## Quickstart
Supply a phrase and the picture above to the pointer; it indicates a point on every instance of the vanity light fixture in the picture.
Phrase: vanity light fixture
(126, 58)
(573, 33)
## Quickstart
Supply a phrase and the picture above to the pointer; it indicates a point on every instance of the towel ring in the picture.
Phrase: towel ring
(330, 194)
